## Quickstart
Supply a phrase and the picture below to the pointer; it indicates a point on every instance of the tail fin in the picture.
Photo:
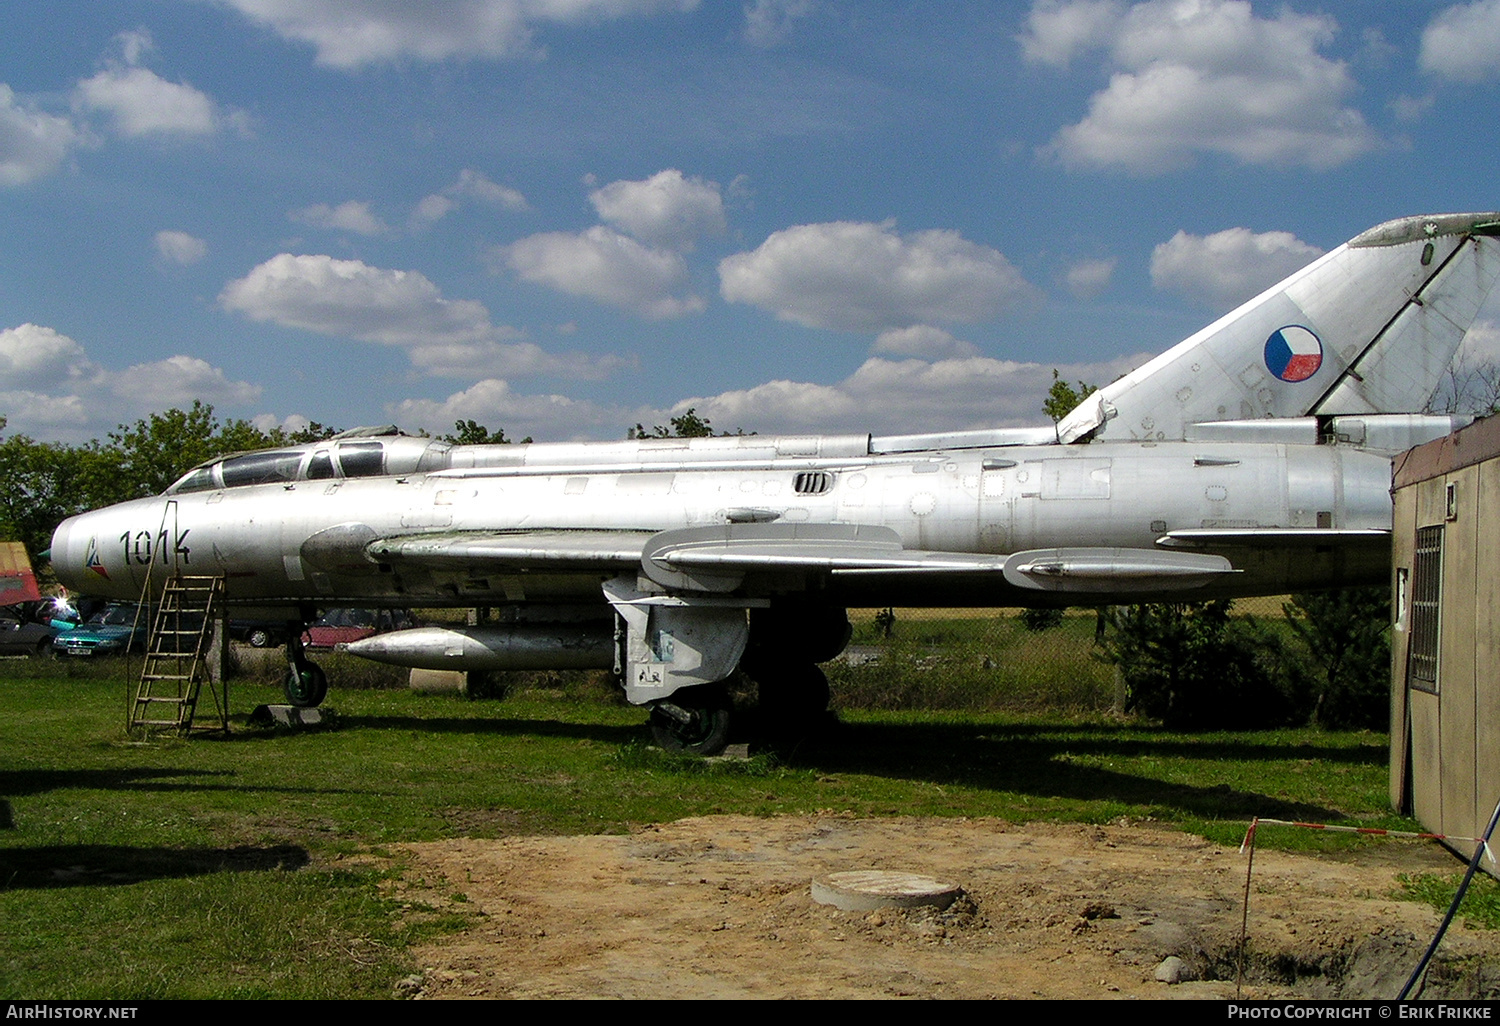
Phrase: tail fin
(1369, 328)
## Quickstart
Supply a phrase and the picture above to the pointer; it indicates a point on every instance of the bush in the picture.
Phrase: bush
(1038, 620)
(1189, 664)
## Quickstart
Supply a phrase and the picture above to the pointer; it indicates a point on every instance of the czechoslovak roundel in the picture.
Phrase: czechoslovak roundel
(1293, 353)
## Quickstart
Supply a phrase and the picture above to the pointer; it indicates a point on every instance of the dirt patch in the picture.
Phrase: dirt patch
(720, 907)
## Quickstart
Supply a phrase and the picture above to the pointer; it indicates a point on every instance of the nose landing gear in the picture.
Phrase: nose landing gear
(306, 685)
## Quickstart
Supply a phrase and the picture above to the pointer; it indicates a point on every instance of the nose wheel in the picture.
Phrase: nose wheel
(306, 685)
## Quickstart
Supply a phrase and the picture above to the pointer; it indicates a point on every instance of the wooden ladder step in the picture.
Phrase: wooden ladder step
(184, 620)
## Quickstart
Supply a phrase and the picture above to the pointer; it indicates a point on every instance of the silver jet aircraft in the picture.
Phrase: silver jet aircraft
(1251, 458)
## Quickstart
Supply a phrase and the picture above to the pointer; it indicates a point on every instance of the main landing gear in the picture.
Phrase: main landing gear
(693, 719)
(786, 644)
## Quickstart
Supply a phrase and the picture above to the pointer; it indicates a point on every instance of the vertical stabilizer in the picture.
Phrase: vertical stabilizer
(1369, 328)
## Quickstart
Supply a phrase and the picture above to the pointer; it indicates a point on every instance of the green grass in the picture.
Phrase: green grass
(241, 866)
(980, 662)
(1481, 904)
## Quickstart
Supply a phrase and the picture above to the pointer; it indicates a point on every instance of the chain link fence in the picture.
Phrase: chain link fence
(996, 659)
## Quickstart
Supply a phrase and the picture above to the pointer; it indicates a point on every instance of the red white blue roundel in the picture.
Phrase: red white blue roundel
(1293, 353)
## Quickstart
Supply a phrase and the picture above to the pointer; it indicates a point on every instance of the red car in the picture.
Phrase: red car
(341, 626)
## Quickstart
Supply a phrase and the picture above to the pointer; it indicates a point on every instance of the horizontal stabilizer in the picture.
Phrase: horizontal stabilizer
(1101, 570)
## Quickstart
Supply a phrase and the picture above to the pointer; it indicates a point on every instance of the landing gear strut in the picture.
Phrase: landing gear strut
(306, 684)
(786, 644)
(692, 719)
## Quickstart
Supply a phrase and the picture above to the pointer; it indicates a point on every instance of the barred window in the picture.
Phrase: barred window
(1426, 594)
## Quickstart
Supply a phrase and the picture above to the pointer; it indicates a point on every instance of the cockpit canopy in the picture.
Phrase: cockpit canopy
(352, 454)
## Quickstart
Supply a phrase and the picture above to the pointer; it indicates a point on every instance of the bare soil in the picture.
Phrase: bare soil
(720, 907)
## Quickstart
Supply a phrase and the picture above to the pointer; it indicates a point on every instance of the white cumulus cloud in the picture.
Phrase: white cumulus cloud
(32, 143)
(291, 423)
(1462, 42)
(770, 22)
(180, 247)
(1226, 268)
(494, 403)
(1057, 31)
(178, 381)
(1202, 76)
(1089, 278)
(510, 359)
(1481, 345)
(351, 216)
(50, 385)
(351, 299)
(470, 185)
(607, 267)
(884, 396)
(923, 341)
(351, 33)
(859, 276)
(667, 209)
(139, 102)
(40, 358)
(902, 396)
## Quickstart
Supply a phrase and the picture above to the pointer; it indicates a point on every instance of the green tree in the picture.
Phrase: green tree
(471, 432)
(43, 483)
(1348, 643)
(688, 425)
(156, 450)
(1063, 397)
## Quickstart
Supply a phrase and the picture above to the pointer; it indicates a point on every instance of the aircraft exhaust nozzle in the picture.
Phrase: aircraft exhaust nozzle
(517, 647)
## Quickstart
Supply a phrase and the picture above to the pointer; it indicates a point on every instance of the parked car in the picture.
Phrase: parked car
(113, 630)
(341, 626)
(23, 635)
(259, 633)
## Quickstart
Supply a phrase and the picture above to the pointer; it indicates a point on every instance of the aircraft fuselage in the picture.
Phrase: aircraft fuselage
(305, 542)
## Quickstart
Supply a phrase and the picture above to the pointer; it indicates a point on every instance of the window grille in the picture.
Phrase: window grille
(812, 482)
(1426, 594)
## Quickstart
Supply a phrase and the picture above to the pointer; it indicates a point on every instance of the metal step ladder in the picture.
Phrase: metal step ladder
(176, 665)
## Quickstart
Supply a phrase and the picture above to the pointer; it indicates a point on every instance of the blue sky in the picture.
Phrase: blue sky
(562, 217)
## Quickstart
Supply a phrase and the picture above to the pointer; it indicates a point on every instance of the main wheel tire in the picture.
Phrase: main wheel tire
(708, 731)
(793, 699)
(260, 638)
(306, 688)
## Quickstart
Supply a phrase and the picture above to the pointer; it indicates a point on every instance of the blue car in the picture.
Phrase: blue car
(113, 630)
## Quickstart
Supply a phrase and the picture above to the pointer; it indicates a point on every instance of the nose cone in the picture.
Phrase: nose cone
(62, 556)
(81, 561)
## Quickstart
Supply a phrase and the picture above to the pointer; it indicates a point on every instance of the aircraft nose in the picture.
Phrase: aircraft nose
(63, 562)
